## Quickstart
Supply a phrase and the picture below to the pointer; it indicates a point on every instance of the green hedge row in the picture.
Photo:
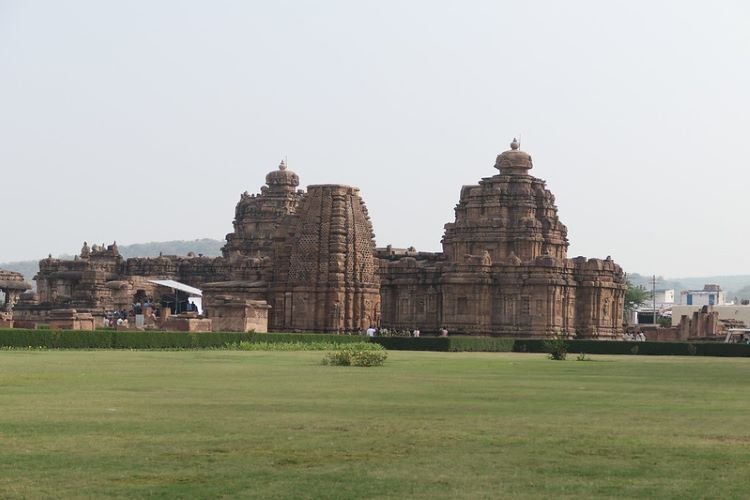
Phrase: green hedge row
(127, 339)
(643, 348)
(102, 339)
(496, 344)
(413, 344)
(111, 339)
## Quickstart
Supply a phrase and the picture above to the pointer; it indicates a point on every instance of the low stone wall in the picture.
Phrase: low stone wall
(186, 324)
(658, 334)
(70, 319)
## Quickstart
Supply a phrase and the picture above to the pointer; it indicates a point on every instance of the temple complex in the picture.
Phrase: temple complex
(306, 261)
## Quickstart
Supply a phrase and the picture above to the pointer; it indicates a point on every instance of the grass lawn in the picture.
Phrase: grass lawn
(213, 424)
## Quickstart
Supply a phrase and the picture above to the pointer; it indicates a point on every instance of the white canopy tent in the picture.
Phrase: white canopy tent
(195, 295)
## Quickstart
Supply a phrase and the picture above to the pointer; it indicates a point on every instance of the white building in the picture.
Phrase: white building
(644, 314)
(664, 296)
(711, 295)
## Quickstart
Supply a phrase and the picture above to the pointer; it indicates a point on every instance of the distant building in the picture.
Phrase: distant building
(644, 314)
(711, 295)
(664, 296)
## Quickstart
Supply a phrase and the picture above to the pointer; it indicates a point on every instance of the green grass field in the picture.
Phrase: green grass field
(210, 424)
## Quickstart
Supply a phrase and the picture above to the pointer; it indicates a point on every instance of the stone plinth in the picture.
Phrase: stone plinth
(239, 316)
(236, 306)
(186, 323)
(70, 319)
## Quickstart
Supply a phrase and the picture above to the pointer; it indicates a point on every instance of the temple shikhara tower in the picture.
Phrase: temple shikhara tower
(504, 268)
(306, 261)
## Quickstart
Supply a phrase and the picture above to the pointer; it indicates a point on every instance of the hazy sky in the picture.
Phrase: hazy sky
(145, 121)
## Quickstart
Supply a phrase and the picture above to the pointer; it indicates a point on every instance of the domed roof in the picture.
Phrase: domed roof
(282, 177)
(514, 161)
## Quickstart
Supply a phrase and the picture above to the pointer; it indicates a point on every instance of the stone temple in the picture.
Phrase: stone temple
(307, 261)
(504, 268)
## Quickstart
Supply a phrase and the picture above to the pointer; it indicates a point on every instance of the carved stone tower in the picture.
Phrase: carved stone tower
(325, 270)
(509, 214)
(257, 216)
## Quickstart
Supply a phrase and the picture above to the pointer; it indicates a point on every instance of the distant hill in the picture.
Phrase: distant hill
(205, 246)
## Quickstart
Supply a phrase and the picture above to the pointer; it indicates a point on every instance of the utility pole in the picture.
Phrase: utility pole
(653, 296)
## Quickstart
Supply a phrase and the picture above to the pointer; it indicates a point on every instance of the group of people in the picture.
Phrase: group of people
(140, 307)
(634, 337)
(373, 331)
(116, 318)
(443, 332)
(121, 317)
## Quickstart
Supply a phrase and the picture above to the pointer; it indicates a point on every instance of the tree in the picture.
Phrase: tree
(635, 296)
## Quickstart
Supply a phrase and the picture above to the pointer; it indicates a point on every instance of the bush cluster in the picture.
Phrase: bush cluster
(365, 354)
(556, 347)
(306, 338)
(296, 346)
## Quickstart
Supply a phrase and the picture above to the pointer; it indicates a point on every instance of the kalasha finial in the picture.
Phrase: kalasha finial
(515, 144)
(282, 165)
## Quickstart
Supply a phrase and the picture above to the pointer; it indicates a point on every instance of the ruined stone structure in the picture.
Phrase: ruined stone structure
(100, 279)
(306, 261)
(12, 285)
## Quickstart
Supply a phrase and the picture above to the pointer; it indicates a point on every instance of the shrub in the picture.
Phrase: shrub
(300, 346)
(306, 338)
(556, 347)
(386, 332)
(357, 355)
